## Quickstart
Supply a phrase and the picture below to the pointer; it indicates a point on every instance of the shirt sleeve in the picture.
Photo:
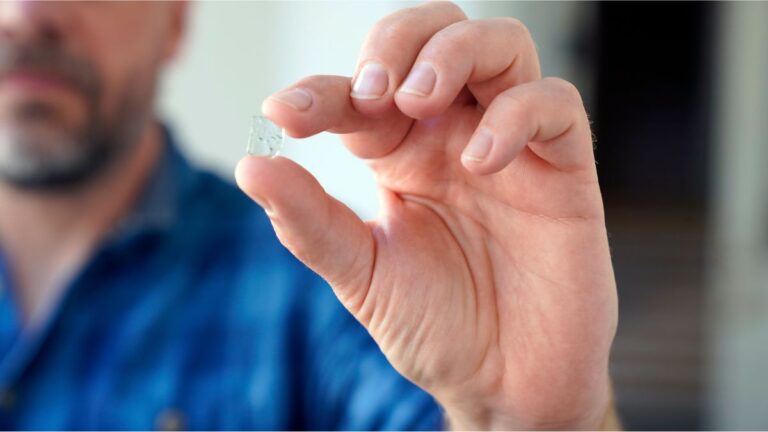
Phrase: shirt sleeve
(350, 385)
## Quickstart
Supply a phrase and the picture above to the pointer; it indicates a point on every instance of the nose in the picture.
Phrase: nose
(31, 20)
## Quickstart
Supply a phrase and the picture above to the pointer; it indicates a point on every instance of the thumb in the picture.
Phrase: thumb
(318, 229)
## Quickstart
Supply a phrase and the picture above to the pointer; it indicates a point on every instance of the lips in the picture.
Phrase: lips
(34, 81)
(40, 68)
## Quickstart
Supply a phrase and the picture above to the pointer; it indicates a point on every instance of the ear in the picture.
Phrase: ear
(177, 26)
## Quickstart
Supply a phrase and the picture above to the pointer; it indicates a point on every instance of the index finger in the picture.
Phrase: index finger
(322, 103)
(488, 56)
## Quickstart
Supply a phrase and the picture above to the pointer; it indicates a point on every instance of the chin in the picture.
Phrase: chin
(31, 152)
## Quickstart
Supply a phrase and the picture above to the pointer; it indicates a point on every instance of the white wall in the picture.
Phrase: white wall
(237, 53)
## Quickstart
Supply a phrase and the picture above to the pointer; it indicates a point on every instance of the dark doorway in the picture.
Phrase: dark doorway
(650, 111)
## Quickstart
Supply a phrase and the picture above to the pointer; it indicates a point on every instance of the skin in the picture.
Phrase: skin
(47, 235)
(487, 282)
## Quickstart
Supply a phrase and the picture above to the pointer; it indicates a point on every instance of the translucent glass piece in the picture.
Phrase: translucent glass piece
(265, 138)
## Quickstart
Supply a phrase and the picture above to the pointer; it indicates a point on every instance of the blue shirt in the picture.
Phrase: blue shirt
(191, 315)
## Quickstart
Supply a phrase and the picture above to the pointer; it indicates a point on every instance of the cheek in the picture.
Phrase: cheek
(129, 45)
(128, 71)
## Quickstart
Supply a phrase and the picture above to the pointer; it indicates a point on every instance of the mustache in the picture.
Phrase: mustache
(53, 60)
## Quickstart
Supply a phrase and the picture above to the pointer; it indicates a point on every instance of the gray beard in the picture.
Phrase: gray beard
(38, 152)
(41, 156)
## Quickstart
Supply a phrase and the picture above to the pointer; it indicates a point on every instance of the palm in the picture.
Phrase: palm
(492, 262)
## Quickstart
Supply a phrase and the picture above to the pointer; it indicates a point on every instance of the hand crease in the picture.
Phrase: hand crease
(434, 208)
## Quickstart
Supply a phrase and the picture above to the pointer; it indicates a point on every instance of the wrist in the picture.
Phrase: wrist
(472, 414)
(602, 419)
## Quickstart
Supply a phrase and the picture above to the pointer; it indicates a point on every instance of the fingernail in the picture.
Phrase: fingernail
(421, 80)
(371, 82)
(479, 146)
(298, 99)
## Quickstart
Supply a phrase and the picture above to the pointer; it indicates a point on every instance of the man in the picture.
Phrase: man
(142, 293)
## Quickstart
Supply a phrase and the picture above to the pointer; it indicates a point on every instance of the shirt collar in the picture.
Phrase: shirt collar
(157, 209)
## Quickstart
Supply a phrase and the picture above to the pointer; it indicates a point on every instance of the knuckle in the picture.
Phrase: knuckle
(455, 40)
(449, 8)
(452, 9)
(515, 105)
(516, 27)
(406, 21)
(519, 32)
(391, 28)
(565, 89)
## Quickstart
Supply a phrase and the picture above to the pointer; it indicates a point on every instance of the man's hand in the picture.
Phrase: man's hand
(487, 278)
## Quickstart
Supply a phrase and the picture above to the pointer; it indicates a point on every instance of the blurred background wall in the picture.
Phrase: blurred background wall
(679, 100)
(239, 52)
(737, 322)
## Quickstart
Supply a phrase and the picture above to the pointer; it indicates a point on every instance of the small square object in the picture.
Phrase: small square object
(265, 138)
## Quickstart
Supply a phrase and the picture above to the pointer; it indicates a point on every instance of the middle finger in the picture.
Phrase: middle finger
(390, 49)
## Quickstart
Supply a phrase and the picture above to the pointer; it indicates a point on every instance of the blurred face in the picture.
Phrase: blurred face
(77, 83)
